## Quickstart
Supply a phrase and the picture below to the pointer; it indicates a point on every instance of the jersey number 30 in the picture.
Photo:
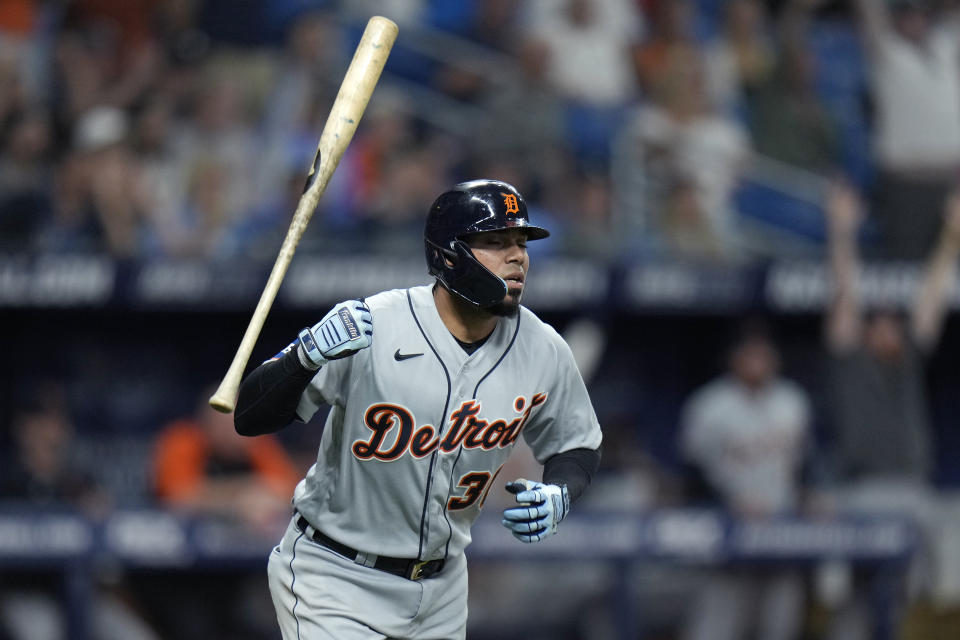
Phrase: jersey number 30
(476, 485)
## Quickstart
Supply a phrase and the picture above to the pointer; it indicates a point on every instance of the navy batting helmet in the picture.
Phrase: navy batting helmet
(473, 207)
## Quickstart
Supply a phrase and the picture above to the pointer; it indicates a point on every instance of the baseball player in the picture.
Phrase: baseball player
(423, 416)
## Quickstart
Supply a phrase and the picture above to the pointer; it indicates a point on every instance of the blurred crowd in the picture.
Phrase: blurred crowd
(695, 129)
(716, 131)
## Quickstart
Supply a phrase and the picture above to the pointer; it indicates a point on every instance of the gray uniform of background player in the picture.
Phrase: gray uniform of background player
(416, 494)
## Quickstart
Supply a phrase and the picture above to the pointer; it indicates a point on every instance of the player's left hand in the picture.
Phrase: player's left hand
(542, 507)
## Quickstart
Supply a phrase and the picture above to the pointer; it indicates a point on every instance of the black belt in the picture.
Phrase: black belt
(403, 567)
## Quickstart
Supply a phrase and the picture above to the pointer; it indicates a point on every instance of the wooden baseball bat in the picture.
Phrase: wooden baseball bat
(358, 84)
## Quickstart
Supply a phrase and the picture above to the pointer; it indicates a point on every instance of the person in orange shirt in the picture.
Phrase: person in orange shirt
(201, 466)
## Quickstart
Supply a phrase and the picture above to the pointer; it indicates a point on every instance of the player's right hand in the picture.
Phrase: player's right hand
(346, 329)
(542, 507)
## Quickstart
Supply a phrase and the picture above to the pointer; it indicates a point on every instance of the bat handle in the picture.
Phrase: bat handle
(224, 399)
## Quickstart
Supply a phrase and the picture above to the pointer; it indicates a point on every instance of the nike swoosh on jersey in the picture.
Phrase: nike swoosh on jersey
(404, 356)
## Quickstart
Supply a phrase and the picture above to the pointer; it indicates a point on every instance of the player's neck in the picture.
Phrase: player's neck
(465, 321)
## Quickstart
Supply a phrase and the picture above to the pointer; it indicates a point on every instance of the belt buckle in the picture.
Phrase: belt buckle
(416, 573)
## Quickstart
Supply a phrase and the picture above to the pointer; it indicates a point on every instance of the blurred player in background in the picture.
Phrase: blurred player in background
(42, 470)
(747, 433)
(879, 407)
(201, 466)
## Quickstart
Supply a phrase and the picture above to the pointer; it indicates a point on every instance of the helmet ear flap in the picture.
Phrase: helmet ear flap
(462, 255)
(439, 258)
(471, 280)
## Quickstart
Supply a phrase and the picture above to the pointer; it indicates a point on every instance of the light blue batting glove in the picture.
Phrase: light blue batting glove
(346, 329)
(542, 508)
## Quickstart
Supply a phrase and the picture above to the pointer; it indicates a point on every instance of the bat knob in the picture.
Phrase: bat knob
(223, 405)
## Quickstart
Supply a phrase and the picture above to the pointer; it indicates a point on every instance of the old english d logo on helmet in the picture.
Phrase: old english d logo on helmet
(510, 200)
(468, 208)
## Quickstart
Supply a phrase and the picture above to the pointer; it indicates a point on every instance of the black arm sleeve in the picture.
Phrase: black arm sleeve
(268, 397)
(574, 468)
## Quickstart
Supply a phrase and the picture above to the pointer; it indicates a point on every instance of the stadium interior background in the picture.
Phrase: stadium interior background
(151, 153)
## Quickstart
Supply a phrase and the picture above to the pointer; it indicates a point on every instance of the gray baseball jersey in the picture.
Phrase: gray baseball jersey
(418, 429)
(749, 442)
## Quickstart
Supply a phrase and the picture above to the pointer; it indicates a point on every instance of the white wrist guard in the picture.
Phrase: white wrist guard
(308, 353)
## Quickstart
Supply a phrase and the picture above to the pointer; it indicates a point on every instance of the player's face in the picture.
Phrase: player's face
(912, 23)
(755, 362)
(884, 336)
(504, 253)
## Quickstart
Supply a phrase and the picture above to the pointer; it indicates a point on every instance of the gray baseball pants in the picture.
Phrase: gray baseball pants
(320, 595)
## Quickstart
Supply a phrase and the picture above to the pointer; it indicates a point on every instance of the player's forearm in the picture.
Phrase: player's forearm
(794, 22)
(931, 302)
(844, 266)
(574, 468)
(843, 317)
(874, 19)
(268, 397)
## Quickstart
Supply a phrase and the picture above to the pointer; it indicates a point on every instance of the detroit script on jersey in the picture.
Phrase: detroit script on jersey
(411, 445)
(465, 429)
